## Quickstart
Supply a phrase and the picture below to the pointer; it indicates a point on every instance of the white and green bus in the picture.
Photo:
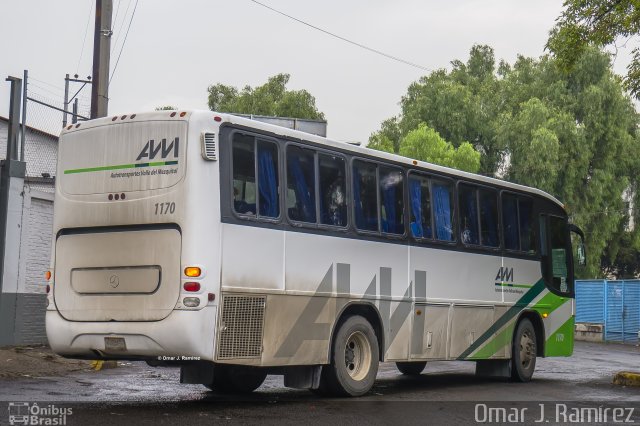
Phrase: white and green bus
(235, 249)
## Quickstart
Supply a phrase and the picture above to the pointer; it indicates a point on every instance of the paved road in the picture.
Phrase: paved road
(446, 393)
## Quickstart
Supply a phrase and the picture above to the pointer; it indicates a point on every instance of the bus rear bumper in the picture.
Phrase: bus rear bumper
(181, 336)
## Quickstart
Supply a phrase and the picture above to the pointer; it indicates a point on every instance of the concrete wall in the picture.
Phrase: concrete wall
(22, 294)
(35, 252)
(589, 332)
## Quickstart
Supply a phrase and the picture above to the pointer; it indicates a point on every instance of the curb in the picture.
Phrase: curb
(627, 378)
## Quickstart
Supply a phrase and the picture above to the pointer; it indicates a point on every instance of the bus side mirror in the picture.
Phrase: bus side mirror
(581, 250)
(582, 255)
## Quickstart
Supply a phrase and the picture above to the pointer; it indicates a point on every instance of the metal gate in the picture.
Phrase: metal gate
(615, 304)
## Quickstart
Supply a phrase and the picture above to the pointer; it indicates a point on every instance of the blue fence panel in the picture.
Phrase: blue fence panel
(590, 301)
(614, 325)
(631, 310)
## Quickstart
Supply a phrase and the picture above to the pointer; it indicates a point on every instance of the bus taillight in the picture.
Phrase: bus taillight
(190, 286)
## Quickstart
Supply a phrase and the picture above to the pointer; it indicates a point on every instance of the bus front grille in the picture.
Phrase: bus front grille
(241, 327)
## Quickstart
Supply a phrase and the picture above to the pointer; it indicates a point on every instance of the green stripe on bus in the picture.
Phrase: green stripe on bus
(550, 302)
(514, 285)
(120, 167)
(560, 343)
(522, 303)
(547, 304)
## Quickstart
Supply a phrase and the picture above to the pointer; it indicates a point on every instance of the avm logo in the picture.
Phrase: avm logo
(151, 149)
(504, 274)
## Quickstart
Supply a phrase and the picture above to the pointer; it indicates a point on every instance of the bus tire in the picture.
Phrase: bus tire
(354, 359)
(236, 379)
(411, 368)
(523, 354)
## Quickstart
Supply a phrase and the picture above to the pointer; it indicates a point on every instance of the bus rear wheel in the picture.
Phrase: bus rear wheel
(523, 355)
(411, 368)
(236, 379)
(354, 359)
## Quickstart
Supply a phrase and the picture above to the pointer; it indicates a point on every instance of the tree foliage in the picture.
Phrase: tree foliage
(601, 23)
(271, 99)
(426, 144)
(574, 135)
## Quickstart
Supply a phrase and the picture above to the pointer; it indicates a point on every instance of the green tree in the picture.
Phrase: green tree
(425, 144)
(574, 135)
(271, 99)
(597, 22)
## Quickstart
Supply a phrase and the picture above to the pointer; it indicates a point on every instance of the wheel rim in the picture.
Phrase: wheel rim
(527, 350)
(357, 355)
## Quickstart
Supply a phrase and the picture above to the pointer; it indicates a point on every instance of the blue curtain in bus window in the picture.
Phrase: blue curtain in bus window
(268, 182)
(469, 216)
(357, 200)
(415, 193)
(510, 218)
(389, 202)
(302, 190)
(442, 212)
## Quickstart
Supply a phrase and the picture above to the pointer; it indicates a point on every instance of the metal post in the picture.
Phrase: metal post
(74, 119)
(14, 118)
(66, 100)
(101, 52)
(24, 114)
(11, 184)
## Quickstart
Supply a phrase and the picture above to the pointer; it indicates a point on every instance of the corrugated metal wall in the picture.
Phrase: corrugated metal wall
(615, 304)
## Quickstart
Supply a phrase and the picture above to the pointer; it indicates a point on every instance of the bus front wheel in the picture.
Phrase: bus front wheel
(411, 368)
(236, 379)
(523, 355)
(354, 359)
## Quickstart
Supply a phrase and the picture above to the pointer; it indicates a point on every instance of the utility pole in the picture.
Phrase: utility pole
(101, 50)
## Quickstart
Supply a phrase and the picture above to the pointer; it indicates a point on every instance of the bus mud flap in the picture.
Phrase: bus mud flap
(303, 377)
(197, 373)
(493, 368)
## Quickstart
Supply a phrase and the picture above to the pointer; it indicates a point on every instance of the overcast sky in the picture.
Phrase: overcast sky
(175, 49)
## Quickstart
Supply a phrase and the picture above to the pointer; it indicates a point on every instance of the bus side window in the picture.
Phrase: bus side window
(420, 207)
(244, 174)
(442, 193)
(301, 184)
(469, 232)
(391, 200)
(489, 218)
(333, 195)
(365, 196)
(510, 223)
(268, 184)
(527, 228)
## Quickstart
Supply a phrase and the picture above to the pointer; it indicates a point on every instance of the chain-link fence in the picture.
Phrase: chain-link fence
(44, 119)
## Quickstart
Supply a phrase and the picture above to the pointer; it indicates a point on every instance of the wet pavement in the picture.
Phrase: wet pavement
(139, 394)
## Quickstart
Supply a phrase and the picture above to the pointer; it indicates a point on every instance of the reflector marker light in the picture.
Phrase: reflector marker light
(47, 275)
(192, 271)
(190, 302)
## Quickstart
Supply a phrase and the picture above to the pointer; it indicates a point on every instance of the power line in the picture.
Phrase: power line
(124, 19)
(86, 30)
(117, 10)
(362, 46)
(124, 41)
(47, 83)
